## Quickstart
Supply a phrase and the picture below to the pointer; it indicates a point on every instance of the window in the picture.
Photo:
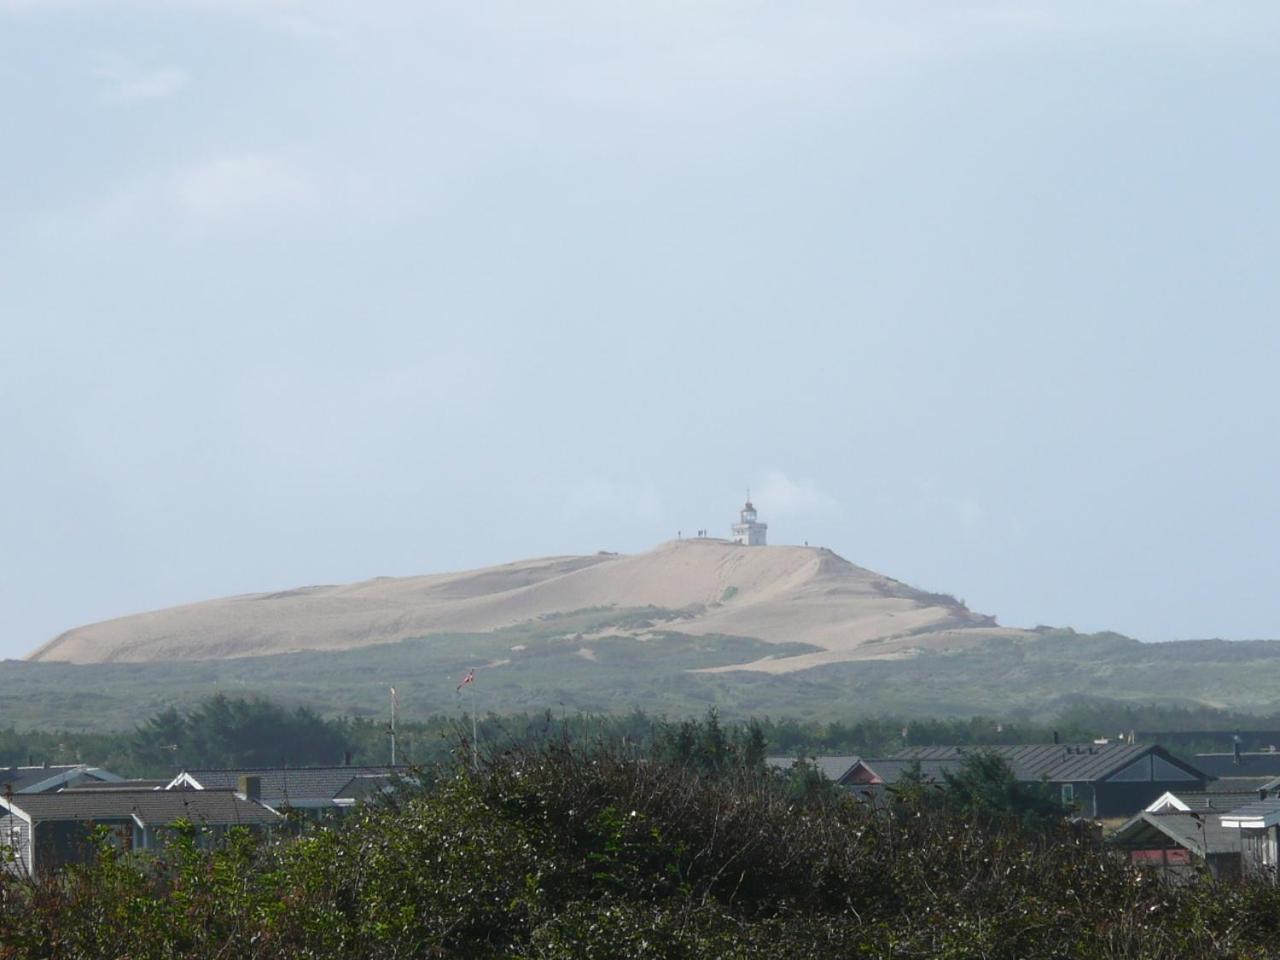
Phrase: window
(1068, 793)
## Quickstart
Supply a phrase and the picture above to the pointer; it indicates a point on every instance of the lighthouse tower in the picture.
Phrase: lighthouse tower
(747, 531)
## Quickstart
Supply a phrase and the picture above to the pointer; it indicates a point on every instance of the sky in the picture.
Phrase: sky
(981, 295)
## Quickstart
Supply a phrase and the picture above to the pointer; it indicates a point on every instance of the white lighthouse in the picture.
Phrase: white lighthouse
(748, 531)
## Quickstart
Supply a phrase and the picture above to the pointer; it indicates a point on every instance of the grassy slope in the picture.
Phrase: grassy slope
(1035, 678)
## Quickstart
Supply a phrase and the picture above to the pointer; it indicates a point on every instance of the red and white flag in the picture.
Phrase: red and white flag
(469, 678)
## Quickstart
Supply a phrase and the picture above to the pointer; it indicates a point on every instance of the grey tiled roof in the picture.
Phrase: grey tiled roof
(1199, 834)
(833, 768)
(1238, 784)
(98, 785)
(1060, 763)
(298, 786)
(152, 807)
(892, 770)
(1259, 809)
(365, 785)
(18, 779)
(1220, 802)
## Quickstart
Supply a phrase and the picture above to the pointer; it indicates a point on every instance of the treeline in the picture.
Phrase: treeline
(226, 731)
(567, 849)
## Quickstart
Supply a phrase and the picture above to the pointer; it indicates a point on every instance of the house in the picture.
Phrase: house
(46, 778)
(835, 769)
(1208, 801)
(92, 785)
(1262, 765)
(1239, 785)
(1258, 825)
(875, 771)
(1102, 780)
(49, 830)
(1179, 843)
(311, 789)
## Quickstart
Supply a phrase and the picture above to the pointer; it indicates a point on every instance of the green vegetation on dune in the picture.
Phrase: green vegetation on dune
(568, 661)
(572, 662)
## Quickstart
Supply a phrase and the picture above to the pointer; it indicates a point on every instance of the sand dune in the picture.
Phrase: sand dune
(776, 594)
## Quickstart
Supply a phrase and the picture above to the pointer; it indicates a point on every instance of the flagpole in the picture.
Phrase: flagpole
(467, 681)
(475, 733)
(393, 726)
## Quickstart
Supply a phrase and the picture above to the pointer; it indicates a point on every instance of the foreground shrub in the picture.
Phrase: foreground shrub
(564, 851)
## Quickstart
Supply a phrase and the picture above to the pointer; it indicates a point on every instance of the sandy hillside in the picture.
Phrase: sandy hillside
(777, 594)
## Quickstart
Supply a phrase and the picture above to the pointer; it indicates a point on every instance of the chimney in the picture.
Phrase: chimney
(251, 787)
(346, 759)
(1055, 736)
(46, 764)
(1235, 749)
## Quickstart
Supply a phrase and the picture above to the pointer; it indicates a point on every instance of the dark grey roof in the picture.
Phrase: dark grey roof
(1271, 786)
(1219, 802)
(892, 770)
(18, 779)
(152, 807)
(298, 786)
(99, 785)
(1250, 765)
(1060, 763)
(1237, 784)
(1199, 834)
(833, 768)
(366, 785)
(1256, 809)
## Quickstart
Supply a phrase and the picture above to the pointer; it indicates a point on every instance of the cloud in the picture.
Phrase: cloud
(780, 495)
(599, 496)
(233, 186)
(234, 189)
(299, 421)
(949, 508)
(126, 82)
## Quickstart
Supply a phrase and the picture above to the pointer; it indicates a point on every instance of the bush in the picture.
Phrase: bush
(564, 850)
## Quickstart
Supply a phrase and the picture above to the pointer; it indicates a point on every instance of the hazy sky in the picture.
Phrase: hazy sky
(981, 295)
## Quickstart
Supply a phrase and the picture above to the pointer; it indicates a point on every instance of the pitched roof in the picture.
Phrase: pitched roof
(1264, 764)
(1203, 801)
(1060, 763)
(24, 779)
(1270, 786)
(833, 768)
(1238, 784)
(100, 785)
(1258, 813)
(296, 786)
(151, 807)
(1200, 834)
(364, 785)
(892, 770)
